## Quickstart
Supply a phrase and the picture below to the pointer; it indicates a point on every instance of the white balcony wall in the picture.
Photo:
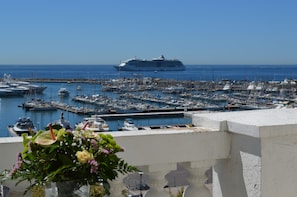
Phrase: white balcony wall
(263, 156)
(253, 153)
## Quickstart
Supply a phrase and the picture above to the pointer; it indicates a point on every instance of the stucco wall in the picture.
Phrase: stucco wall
(153, 148)
(263, 157)
(240, 174)
(9, 148)
(279, 172)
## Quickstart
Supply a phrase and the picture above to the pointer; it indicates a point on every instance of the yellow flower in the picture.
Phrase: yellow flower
(84, 156)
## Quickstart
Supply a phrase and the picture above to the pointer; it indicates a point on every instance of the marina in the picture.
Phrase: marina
(151, 99)
(143, 95)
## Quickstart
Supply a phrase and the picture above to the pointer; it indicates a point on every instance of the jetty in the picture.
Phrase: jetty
(142, 115)
(73, 109)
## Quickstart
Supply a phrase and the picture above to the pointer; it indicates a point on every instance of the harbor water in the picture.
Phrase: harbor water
(11, 110)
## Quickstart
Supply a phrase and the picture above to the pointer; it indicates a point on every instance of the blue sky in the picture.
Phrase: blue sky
(106, 32)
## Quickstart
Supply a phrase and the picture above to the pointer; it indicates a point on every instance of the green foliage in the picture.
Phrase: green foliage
(84, 156)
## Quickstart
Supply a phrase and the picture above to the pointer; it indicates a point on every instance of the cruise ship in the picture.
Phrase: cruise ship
(156, 64)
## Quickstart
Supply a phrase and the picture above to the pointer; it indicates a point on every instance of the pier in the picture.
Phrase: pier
(142, 115)
(73, 109)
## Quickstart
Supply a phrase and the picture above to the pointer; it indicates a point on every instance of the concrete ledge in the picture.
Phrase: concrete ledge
(256, 123)
(173, 146)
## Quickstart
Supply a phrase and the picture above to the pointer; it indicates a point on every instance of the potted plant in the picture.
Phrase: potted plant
(60, 156)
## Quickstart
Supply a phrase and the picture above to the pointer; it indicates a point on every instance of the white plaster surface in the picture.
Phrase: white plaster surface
(157, 150)
(279, 166)
(263, 156)
(251, 169)
(256, 123)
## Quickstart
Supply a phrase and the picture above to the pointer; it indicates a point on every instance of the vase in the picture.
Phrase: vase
(67, 189)
(38, 191)
(96, 190)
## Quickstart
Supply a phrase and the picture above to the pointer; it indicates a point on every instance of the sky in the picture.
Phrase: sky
(107, 32)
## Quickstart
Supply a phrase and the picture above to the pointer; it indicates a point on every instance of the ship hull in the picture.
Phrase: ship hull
(160, 64)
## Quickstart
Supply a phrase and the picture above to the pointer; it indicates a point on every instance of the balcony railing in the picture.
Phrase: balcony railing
(250, 153)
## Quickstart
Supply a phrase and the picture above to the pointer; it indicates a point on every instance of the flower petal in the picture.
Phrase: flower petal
(45, 139)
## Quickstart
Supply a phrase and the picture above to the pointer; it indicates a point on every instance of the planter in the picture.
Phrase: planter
(67, 189)
(96, 190)
(38, 191)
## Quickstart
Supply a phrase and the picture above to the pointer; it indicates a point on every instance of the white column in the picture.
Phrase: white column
(197, 178)
(117, 186)
(157, 180)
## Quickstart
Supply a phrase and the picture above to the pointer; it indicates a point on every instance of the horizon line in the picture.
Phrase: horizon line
(233, 64)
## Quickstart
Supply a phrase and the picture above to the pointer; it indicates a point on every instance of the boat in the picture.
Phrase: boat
(59, 124)
(94, 123)
(38, 105)
(79, 88)
(12, 87)
(156, 64)
(63, 92)
(227, 87)
(129, 125)
(21, 126)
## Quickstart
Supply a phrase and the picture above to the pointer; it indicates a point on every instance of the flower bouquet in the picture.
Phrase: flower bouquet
(63, 155)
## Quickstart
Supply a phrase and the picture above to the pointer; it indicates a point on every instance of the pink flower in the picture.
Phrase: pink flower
(17, 165)
(123, 149)
(104, 151)
(94, 144)
(94, 166)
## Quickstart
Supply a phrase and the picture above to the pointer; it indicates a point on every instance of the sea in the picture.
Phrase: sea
(10, 109)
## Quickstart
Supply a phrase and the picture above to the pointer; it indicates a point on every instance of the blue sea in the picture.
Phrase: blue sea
(192, 72)
(10, 110)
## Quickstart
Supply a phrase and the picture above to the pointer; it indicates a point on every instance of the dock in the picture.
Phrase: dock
(73, 109)
(141, 115)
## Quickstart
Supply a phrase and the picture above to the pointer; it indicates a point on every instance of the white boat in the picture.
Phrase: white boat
(156, 64)
(78, 88)
(22, 125)
(38, 105)
(94, 123)
(129, 125)
(63, 92)
(61, 123)
(12, 87)
(6, 92)
(227, 87)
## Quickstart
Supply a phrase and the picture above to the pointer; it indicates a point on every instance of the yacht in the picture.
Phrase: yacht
(63, 92)
(156, 64)
(59, 124)
(129, 125)
(22, 125)
(12, 87)
(38, 105)
(94, 123)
